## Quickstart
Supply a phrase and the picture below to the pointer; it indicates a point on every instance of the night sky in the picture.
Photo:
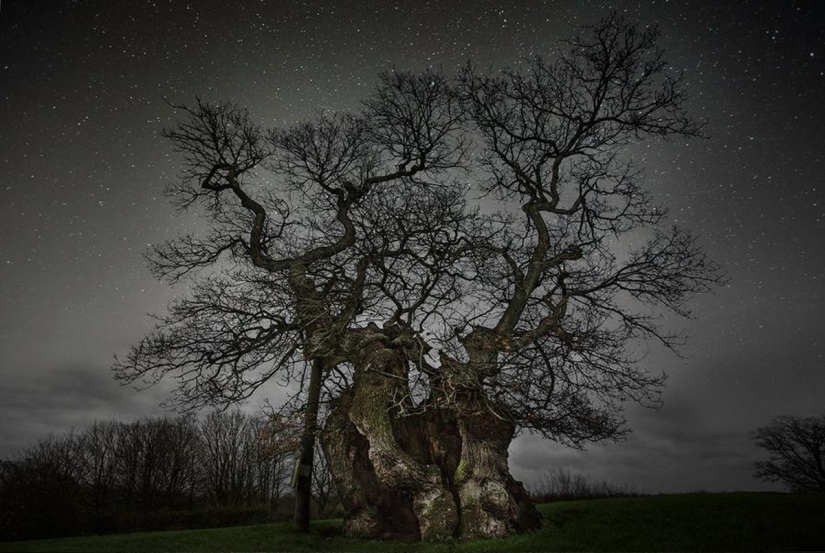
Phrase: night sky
(83, 167)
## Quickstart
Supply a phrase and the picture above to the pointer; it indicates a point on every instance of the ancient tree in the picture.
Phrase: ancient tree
(796, 452)
(464, 258)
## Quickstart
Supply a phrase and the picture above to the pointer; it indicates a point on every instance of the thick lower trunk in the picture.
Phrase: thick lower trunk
(370, 508)
(432, 475)
(493, 503)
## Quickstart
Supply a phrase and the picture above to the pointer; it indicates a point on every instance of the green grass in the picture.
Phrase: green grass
(691, 522)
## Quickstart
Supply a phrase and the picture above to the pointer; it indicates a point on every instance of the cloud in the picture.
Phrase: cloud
(683, 447)
(34, 405)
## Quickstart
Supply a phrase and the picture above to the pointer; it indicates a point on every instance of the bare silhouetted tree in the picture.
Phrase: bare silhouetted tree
(796, 452)
(99, 462)
(464, 258)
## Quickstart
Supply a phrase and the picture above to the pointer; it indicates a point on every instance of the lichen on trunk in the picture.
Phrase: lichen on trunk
(432, 473)
(493, 503)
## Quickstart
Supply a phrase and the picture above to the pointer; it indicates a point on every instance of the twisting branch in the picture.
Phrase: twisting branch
(379, 223)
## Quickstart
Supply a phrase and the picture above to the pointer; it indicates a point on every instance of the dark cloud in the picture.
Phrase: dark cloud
(72, 397)
(667, 452)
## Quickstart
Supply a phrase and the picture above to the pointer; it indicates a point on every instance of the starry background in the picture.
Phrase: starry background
(82, 168)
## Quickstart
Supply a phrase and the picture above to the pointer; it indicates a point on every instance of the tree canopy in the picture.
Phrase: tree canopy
(463, 249)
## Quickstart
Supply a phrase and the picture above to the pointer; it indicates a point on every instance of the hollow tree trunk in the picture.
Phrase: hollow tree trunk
(432, 475)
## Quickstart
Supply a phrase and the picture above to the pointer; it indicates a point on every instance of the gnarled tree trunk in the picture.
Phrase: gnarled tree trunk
(439, 473)
(493, 503)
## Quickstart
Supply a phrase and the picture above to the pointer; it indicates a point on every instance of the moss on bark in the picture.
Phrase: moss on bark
(432, 475)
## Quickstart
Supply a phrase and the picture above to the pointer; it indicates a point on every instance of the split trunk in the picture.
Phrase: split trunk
(431, 473)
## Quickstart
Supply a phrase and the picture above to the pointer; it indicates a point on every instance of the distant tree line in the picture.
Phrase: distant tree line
(562, 484)
(112, 475)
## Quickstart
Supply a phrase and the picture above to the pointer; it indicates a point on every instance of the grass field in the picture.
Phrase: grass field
(690, 522)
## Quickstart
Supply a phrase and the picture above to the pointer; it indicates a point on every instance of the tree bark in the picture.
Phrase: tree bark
(493, 503)
(303, 488)
(430, 475)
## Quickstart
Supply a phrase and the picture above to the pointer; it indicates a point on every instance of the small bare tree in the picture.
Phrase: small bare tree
(157, 463)
(274, 443)
(796, 452)
(99, 462)
(227, 457)
(465, 258)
